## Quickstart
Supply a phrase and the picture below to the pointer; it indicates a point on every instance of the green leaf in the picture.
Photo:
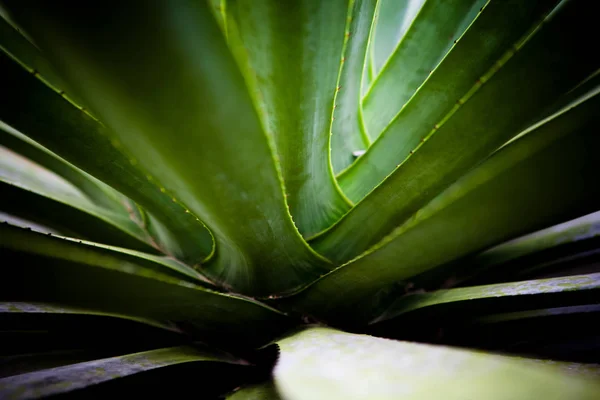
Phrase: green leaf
(186, 117)
(322, 363)
(347, 130)
(393, 20)
(35, 193)
(565, 235)
(94, 189)
(495, 29)
(68, 378)
(425, 42)
(553, 160)
(501, 297)
(510, 95)
(15, 307)
(290, 55)
(51, 269)
(14, 41)
(47, 116)
(265, 391)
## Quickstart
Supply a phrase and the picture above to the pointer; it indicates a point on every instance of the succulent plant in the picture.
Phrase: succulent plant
(299, 199)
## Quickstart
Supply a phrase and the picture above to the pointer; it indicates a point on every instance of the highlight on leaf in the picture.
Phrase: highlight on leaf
(299, 200)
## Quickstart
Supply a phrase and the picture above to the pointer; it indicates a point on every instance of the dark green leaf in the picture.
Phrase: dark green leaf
(50, 269)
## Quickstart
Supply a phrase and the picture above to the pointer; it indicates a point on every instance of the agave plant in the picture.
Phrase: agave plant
(303, 199)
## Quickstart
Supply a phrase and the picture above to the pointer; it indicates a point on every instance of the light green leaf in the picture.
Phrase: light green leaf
(68, 378)
(347, 130)
(171, 91)
(32, 192)
(509, 96)
(290, 55)
(425, 42)
(51, 269)
(97, 191)
(554, 160)
(46, 116)
(322, 363)
(393, 20)
(495, 29)
(501, 297)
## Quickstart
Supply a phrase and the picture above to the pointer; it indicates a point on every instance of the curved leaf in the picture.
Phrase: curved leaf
(47, 116)
(497, 298)
(322, 363)
(347, 131)
(32, 192)
(290, 55)
(97, 191)
(554, 160)
(496, 28)
(196, 133)
(572, 236)
(394, 18)
(509, 96)
(68, 378)
(50, 269)
(428, 38)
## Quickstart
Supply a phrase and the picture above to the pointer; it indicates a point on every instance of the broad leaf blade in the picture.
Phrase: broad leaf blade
(554, 160)
(496, 28)
(66, 379)
(435, 27)
(198, 135)
(290, 55)
(514, 92)
(85, 275)
(46, 116)
(322, 363)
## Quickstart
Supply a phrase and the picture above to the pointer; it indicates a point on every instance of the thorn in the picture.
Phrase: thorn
(478, 81)
(62, 92)
(338, 88)
(334, 106)
(436, 126)
(455, 41)
(348, 34)
(343, 59)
